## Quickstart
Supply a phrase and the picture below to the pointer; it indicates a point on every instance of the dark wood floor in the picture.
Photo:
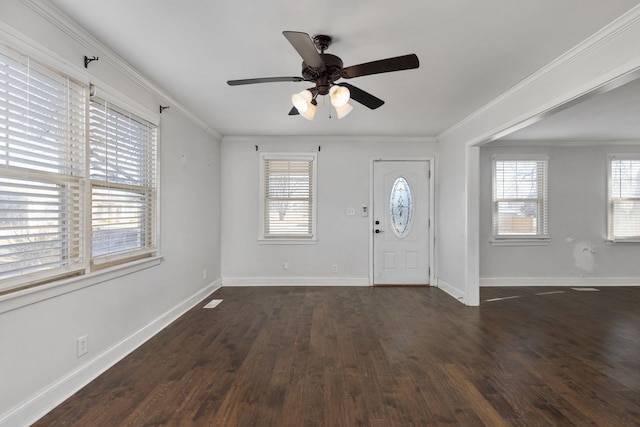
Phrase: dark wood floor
(379, 357)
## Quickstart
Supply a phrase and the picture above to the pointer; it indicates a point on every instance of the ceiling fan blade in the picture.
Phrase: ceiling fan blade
(364, 98)
(294, 111)
(264, 80)
(303, 44)
(405, 62)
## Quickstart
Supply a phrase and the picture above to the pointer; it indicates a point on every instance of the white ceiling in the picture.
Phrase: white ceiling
(612, 116)
(470, 52)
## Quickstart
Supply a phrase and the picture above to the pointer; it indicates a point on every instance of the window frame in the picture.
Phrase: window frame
(82, 271)
(263, 237)
(44, 139)
(148, 191)
(542, 236)
(611, 238)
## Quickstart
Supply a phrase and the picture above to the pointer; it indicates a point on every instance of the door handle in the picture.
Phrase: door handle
(378, 231)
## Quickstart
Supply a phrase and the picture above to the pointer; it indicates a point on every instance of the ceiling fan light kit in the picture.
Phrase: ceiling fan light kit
(339, 95)
(302, 100)
(310, 113)
(343, 110)
(324, 70)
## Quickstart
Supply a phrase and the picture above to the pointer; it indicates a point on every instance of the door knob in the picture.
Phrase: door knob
(378, 231)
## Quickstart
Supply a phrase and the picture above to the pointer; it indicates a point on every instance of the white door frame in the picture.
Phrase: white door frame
(431, 240)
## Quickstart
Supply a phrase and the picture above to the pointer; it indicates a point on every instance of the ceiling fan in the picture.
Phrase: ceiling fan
(324, 69)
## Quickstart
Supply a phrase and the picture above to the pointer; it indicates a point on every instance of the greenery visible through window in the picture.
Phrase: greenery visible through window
(624, 198)
(520, 198)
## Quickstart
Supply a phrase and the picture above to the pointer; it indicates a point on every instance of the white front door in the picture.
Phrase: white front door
(400, 222)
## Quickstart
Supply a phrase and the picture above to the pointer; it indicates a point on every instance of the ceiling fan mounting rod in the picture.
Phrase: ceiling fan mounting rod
(326, 77)
(322, 42)
(323, 70)
(323, 84)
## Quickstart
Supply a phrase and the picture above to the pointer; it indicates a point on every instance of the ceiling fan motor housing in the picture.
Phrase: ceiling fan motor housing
(325, 78)
(326, 69)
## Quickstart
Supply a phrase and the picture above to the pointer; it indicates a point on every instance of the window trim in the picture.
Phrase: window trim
(30, 293)
(42, 284)
(110, 102)
(44, 100)
(611, 239)
(290, 156)
(518, 239)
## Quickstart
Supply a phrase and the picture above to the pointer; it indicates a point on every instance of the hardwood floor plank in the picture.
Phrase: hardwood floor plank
(408, 356)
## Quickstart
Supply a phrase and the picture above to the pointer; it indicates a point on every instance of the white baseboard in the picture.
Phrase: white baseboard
(559, 281)
(451, 290)
(294, 281)
(48, 398)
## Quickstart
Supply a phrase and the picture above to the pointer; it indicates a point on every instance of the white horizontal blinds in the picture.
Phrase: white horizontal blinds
(520, 198)
(42, 161)
(41, 226)
(123, 150)
(624, 213)
(288, 196)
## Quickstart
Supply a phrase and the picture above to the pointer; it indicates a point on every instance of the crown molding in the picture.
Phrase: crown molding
(601, 37)
(321, 139)
(80, 35)
(562, 143)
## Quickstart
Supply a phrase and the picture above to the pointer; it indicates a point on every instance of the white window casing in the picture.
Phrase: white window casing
(42, 172)
(520, 198)
(623, 198)
(77, 178)
(288, 197)
(122, 161)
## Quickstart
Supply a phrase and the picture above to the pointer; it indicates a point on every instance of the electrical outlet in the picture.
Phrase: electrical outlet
(351, 211)
(82, 345)
(334, 268)
(285, 265)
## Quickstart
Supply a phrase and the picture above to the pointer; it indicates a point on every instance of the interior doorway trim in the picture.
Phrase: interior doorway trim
(432, 218)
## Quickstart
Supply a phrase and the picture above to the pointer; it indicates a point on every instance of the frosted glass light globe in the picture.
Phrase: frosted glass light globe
(339, 95)
(302, 100)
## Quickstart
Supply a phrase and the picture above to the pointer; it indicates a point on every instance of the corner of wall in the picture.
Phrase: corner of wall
(49, 397)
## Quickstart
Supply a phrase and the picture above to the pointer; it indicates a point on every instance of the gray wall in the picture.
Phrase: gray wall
(118, 311)
(344, 175)
(577, 221)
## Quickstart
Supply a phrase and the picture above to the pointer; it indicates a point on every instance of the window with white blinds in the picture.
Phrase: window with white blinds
(123, 181)
(77, 178)
(289, 196)
(520, 198)
(624, 198)
(42, 167)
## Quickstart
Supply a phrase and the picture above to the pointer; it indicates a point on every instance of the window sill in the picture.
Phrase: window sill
(15, 300)
(520, 242)
(288, 241)
(623, 242)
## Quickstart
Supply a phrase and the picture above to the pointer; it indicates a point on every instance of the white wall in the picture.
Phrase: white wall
(344, 171)
(119, 310)
(607, 55)
(577, 221)
(38, 365)
(451, 228)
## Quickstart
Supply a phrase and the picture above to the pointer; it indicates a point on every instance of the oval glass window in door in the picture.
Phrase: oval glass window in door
(401, 207)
